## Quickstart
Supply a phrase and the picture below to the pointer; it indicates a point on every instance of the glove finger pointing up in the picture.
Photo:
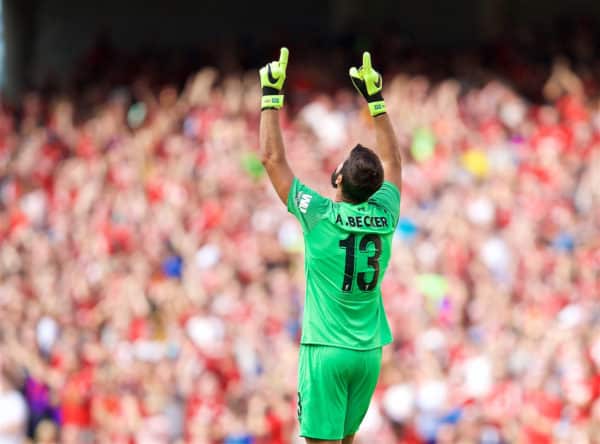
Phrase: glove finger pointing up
(283, 58)
(367, 61)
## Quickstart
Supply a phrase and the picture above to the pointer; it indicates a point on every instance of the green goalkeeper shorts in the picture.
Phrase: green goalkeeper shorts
(335, 386)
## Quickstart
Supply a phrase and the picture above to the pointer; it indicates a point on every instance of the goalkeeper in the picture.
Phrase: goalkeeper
(348, 242)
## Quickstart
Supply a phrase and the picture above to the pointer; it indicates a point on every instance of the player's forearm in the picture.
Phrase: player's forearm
(272, 149)
(386, 144)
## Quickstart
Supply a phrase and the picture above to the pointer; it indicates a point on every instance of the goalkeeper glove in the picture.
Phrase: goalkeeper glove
(368, 83)
(272, 77)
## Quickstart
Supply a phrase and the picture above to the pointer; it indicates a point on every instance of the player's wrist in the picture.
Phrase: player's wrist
(274, 101)
(272, 98)
(377, 107)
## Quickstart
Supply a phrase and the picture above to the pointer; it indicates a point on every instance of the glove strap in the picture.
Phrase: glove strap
(377, 108)
(272, 102)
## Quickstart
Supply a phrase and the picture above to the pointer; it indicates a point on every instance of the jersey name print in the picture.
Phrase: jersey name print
(347, 251)
(359, 221)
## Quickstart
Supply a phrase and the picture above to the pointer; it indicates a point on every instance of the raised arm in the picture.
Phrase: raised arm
(369, 84)
(388, 150)
(272, 150)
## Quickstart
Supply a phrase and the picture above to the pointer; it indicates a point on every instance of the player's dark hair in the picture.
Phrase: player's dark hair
(362, 174)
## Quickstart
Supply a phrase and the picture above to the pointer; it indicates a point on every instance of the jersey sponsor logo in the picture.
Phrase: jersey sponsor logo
(304, 201)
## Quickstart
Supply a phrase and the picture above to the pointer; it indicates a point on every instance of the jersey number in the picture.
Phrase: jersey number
(349, 244)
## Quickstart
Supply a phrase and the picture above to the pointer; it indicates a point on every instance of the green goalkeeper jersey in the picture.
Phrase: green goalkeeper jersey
(347, 251)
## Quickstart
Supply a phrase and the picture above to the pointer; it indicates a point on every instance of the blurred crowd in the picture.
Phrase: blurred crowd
(151, 282)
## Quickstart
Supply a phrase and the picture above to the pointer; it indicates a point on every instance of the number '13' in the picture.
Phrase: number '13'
(349, 244)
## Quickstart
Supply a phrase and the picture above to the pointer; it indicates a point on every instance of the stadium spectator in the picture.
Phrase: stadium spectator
(13, 413)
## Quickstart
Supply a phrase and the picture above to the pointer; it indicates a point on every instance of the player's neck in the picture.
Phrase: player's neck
(339, 197)
(351, 202)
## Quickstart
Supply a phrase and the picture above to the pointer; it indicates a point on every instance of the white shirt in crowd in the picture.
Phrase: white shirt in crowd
(13, 416)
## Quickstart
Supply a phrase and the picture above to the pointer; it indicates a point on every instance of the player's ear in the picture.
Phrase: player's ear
(338, 180)
(335, 174)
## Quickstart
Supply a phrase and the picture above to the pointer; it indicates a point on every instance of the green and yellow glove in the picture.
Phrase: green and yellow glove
(369, 83)
(272, 77)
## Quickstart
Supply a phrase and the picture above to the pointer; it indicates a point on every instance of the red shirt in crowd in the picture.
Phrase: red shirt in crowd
(75, 399)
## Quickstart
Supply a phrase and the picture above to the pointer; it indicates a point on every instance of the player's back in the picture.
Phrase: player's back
(347, 251)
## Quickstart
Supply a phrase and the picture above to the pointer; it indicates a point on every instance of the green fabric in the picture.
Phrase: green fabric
(432, 285)
(335, 386)
(252, 165)
(423, 144)
(347, 251)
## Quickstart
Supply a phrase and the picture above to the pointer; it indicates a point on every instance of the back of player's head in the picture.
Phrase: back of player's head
(362, 174)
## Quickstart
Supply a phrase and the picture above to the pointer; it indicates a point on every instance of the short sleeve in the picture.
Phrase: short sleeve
(308, 206)
(388, 198)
